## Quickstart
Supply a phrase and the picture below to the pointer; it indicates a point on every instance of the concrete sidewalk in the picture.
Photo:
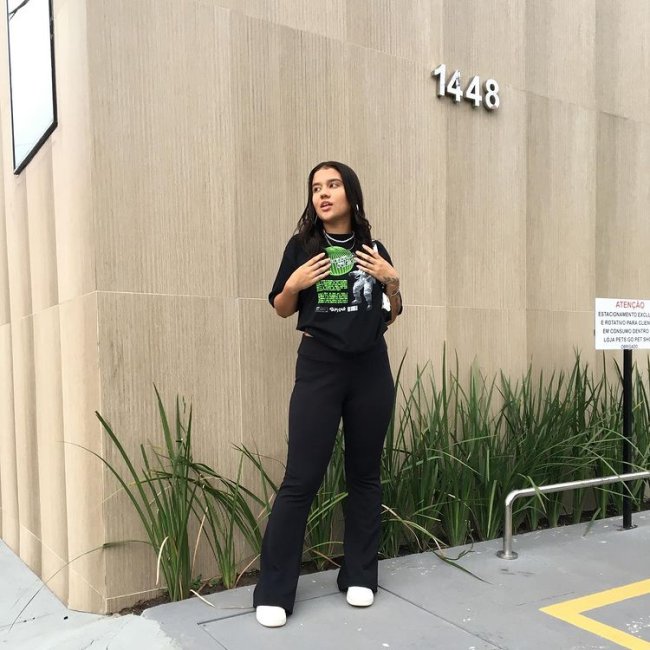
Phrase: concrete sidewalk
(32, 618)
(595, 580)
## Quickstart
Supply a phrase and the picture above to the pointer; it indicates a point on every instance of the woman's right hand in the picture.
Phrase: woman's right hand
(305, 276)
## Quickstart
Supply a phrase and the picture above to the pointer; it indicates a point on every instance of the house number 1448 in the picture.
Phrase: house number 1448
(451, 86)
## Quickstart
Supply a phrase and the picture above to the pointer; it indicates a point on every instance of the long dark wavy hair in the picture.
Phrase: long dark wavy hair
(310, 227)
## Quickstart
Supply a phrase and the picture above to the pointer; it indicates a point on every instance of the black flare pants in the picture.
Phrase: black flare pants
(330, 386)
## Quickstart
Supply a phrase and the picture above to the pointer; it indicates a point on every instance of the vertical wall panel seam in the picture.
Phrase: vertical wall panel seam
(236, 134)
(13, 458)
(93, 218)
(239, 361)
(525, 126)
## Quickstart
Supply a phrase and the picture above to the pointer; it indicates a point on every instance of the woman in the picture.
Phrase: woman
(336, 278)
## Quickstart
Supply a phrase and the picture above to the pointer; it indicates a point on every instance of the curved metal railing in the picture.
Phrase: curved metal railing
(507, 553)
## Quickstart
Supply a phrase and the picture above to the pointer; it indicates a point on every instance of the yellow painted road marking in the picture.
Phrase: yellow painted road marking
(572, 611)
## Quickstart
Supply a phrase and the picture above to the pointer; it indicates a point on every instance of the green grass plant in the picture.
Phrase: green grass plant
(162, 496)
(226, 515)
(454, 449)
(454, 452)
(171, 492)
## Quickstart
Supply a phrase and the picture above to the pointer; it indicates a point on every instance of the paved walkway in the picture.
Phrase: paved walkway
(571, 588)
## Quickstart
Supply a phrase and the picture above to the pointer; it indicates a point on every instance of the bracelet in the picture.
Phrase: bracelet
(392, 295)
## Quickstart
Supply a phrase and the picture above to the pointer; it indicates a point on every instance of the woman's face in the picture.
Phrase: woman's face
(329, 199)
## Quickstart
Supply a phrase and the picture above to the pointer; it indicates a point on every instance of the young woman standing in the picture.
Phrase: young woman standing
(345, 290)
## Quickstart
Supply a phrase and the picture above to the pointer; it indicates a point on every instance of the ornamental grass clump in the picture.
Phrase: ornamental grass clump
(163, 496)
(223, 507)
(453, 452)
(172, 495)
(552, 425)
(610, 498)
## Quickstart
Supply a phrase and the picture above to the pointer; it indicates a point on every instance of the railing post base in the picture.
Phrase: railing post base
(507, 555)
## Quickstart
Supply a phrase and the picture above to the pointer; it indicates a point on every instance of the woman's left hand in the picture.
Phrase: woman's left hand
(370, 261)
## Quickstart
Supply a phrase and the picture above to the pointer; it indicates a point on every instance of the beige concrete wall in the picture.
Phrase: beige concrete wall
(51, 492)
(139, 245)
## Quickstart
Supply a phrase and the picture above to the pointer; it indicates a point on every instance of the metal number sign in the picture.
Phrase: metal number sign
(472, 93)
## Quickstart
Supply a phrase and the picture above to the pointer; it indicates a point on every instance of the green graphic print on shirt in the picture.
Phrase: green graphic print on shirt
(334, 294)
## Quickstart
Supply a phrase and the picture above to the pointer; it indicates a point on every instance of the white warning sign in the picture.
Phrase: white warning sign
(622, 324)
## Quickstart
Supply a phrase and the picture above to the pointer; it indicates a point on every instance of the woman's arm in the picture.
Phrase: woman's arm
(315, 269)
(395, 297)
(286, 302)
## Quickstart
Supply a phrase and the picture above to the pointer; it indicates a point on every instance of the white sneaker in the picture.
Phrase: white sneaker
(360, 596)
(269, 616)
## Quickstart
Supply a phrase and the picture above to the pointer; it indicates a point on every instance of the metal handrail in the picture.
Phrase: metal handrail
(507, 553)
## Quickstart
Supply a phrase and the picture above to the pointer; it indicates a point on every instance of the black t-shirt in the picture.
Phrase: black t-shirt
(343, 311)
